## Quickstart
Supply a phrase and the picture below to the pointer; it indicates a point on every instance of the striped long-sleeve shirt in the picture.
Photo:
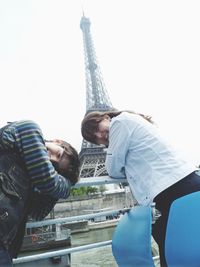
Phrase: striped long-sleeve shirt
(26, 139)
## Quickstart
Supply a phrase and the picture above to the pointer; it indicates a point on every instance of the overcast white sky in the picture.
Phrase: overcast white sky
(149, 56)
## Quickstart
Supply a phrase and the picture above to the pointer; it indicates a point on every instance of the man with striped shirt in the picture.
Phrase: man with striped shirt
(34, 174)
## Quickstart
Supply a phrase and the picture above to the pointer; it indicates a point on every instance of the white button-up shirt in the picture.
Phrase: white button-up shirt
(138, 152)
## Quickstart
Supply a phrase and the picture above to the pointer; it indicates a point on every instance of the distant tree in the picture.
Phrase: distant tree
(79, 191)
(84, 190)
(102, 188)
(92, 190)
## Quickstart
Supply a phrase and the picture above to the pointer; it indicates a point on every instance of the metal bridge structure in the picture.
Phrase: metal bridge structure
(92, 156)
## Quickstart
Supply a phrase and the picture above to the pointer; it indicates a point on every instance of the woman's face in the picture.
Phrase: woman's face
(102, 133)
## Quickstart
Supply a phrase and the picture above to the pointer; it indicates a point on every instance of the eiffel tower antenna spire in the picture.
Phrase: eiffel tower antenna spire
(82, 9)
(92, 157)
(97, 97)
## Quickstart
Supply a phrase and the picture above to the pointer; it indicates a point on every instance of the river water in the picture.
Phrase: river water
(97, 257)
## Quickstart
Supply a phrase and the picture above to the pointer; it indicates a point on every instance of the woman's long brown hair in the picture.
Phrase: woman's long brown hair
(91, 120)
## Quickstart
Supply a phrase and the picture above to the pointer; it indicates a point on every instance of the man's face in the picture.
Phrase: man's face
(57, 156)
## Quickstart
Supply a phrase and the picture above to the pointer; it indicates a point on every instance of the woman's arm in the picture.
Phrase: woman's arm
(118, 149)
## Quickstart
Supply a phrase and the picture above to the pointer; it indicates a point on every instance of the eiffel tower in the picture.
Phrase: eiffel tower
(92, 156)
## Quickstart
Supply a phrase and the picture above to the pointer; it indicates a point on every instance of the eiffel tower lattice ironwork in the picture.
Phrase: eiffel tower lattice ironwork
(92, 156)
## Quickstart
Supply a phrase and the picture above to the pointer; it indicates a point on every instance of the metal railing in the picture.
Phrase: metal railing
(83, 182)
(76, 218)
(61, 252)
(99, 181)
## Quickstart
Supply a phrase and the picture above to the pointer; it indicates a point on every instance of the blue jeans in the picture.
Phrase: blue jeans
(163, 201)
(5, 260)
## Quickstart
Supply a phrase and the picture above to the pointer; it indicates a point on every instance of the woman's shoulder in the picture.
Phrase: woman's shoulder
(124, 120)
(126, 116)
(131, 120)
